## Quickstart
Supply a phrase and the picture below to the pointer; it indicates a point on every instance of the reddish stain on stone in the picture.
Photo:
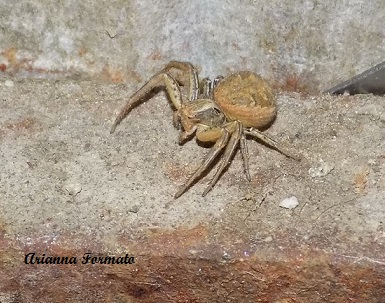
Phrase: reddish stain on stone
(281, 272)
(26, 123)
(112, 74)
(10, 55)
(294, 83)
(156, 56)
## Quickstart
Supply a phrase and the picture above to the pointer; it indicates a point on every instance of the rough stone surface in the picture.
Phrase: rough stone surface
(302, 45)
(68, 187)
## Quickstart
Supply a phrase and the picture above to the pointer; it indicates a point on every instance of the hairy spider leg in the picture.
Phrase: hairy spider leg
(215, 150)
(236, 134)
(206, 87)
(192, 73)
(162, 78)
(205, 90)
(217, 80)
(245, 156)
(261, 136)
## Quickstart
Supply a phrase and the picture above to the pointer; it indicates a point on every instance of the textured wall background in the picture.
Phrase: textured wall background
(299, 44)
(68, 187)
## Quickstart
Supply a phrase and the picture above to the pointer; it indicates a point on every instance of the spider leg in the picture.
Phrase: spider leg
(193, 76)
(205, 90)
(206, 87)
(184, 135)
(245, 156)
(261, 136)
(162, 78)
(229, 151)
(217, 80)
(216, 149)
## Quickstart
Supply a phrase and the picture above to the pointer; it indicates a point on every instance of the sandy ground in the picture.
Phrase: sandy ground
(62, 172)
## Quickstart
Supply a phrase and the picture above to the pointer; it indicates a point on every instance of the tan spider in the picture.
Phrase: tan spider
(223, 111)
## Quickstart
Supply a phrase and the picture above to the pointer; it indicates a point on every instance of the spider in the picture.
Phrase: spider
(223, 111)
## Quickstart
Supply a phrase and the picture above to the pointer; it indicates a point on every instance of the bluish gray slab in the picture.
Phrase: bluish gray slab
(371, 81)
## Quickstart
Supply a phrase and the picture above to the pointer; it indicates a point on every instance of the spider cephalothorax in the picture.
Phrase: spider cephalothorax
(223, 111)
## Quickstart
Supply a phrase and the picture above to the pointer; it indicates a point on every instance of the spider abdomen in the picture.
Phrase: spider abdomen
(247, 98)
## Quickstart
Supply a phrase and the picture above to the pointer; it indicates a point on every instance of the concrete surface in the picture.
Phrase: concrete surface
(68, 187)
(305, 45)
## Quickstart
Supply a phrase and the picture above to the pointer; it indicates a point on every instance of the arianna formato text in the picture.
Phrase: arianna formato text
(88, 258)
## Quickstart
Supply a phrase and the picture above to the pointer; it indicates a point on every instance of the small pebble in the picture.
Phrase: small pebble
(268, 239)
(73, 188)
(9, 83)
(134, 209)
(289, 203)
(372, 161)
(321, 170)
(226, 256)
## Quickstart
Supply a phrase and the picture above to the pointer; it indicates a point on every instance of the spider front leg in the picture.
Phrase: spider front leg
(162, 78)
(192, 74)
(215, 150)
(236, 130)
